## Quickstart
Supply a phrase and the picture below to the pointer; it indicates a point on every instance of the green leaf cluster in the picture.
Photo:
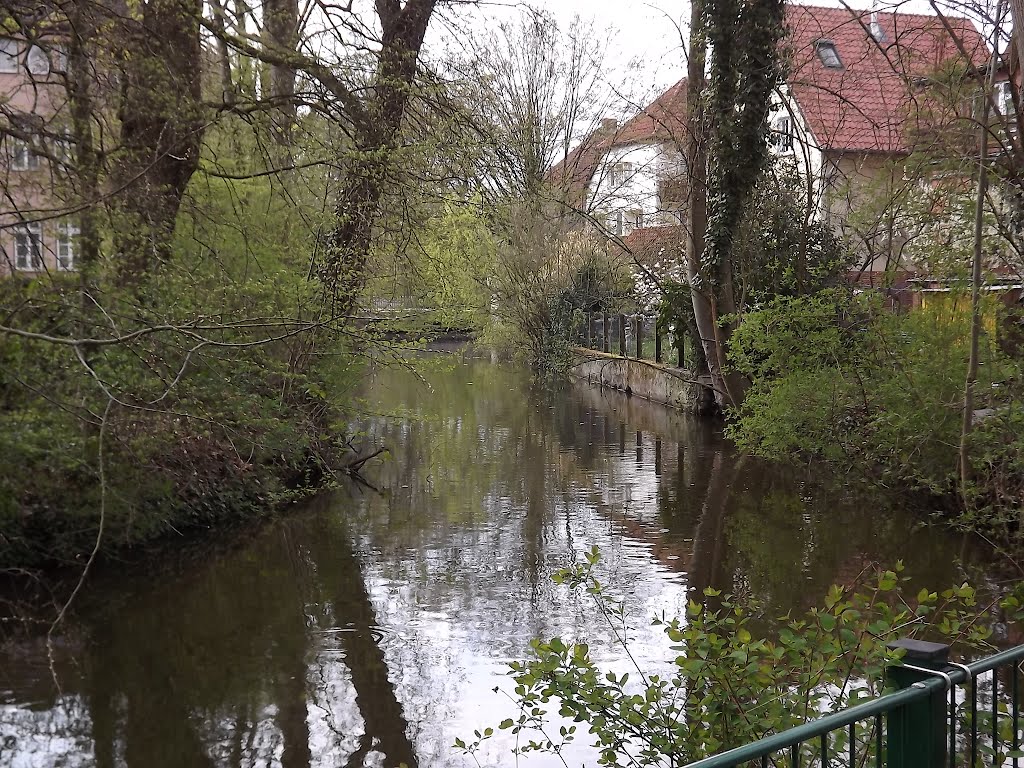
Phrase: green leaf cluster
(730, 683)
(838, 377)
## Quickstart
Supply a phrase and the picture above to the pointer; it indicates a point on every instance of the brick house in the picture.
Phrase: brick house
(37, 231)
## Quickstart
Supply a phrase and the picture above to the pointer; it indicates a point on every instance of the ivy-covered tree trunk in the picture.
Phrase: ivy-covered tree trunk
(745, 68)
(161, 130)
(697, 212)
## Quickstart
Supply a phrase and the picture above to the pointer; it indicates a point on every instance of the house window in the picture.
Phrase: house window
(28, 247)
(8, 55)
(782, 134)
(67, 246)
(615, 222)
(22, 156)
(621, 172)
(38, 62)
(1004, 98)
(634, 220)
(828, 54)
(63, 146)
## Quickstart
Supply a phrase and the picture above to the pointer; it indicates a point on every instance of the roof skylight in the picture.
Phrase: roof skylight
(828, 54)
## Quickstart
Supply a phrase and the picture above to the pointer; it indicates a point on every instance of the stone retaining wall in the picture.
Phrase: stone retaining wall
(675, 387)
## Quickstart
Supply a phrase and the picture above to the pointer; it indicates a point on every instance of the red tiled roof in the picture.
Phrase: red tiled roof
(663, 120)
(574, 172)
(864, 105)
(861, 107)
(650, 238)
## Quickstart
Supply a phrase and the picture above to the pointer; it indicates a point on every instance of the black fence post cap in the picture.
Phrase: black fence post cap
(921, 650)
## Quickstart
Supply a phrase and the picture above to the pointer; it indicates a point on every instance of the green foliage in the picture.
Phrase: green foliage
(780, 247)
(837, 377)
(229, 399)
(545, 283)
(458, 260)
(730, 683)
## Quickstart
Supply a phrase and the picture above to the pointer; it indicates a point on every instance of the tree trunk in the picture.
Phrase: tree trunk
(697, 200)
(1017, 11)
(85, 175)
(281, 34)
(227, 86)
(161, 130)
(343, 267)
(979, 232)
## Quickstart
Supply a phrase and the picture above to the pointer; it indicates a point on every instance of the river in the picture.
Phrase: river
(371, 627)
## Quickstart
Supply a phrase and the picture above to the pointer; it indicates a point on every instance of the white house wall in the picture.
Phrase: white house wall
(805, 153)
(626, 183)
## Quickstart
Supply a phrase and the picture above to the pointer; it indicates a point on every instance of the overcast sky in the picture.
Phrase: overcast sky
(644, 31)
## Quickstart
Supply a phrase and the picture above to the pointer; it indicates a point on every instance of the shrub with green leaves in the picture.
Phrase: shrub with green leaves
(224, 395)
(835, 376)
(737, 674)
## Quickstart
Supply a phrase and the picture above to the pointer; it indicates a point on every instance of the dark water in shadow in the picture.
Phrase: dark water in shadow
(371, 629)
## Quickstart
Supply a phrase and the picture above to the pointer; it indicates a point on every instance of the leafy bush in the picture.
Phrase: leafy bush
(731, 682)
(834, 376)
(229, 397)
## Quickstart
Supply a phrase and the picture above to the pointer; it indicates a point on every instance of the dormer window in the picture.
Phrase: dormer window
(828, 54)
(875, 28)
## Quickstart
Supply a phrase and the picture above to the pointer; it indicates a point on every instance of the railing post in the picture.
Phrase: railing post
(916, 735)
(639, 337)
(657, 342)
(605, 341)
(622, 336)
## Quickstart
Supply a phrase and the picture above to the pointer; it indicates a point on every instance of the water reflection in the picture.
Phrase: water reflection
(371, 629)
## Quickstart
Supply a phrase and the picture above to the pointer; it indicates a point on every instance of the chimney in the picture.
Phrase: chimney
(876, 28)
(609, 125)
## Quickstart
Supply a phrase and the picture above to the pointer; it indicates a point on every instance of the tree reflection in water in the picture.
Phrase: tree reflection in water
(370, 629)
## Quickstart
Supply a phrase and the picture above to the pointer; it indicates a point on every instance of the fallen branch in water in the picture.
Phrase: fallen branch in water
(356, 465)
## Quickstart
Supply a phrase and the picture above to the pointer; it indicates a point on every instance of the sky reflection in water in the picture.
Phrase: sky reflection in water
(371, 629)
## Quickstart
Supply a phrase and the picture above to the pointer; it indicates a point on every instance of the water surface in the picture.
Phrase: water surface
(371, 628)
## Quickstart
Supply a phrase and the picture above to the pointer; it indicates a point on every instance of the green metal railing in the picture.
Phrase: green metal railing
(942, 715)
